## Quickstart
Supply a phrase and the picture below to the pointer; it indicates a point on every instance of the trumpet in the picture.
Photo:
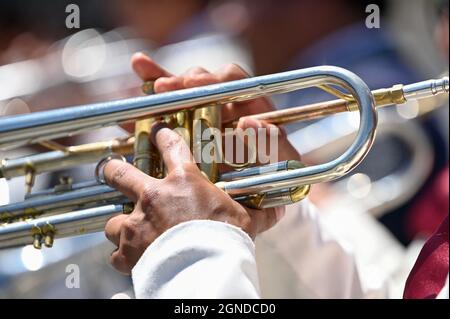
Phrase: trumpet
(71, 209)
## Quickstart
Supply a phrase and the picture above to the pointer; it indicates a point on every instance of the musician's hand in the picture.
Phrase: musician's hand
(184, 194)
(149, 70)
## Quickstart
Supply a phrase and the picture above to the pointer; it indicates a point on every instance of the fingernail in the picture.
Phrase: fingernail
(100, 168)
(141, 53)
(155, 129)
(251, 122)
(136, 54)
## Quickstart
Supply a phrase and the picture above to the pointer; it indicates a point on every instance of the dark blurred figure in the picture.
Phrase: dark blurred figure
(431, 207)
(32, 78)
(442, 29)
(31, 31)
(189, 33)
(27, 27)
(47, 19)
(299, 34)
(162, 22)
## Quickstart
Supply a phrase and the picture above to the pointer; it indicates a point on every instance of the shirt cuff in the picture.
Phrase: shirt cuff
(198, 259)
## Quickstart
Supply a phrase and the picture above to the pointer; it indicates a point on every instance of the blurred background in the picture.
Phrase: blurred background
(399, 195)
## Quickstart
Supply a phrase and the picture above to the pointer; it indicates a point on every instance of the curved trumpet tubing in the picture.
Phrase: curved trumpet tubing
(34, 127)
(67, 210)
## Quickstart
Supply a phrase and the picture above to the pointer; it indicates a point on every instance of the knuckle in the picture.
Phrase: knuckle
(179, 174)
(196, 70)
(118, 174)
(163, 80)
(169, 84)
(190, 170)
(161, 83)
(197, 78)
(119, 261)
(172, 142)
(109, 230)
(148, 197)
(186, 172)
(116, 260)
(113, 260)
(234, 71)
(127, 227)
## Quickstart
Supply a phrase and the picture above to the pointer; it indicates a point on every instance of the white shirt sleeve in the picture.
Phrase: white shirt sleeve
(208, 259)
(198, 259)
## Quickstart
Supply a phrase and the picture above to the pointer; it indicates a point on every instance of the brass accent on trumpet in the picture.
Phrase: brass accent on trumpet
(71, 209)
(66, 157)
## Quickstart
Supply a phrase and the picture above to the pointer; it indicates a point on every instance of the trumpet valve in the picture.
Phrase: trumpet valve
(37, 237)
(65, 184)
(48, 240)
(30, 177)
(49, 234)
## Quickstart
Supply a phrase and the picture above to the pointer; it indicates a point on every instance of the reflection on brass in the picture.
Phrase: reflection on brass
(148, 87)
(65, 184)
(37, 237)
(207, 118)
(277, 198)
(128, 208)
(30, 176)
(142, 145)
(346, 103)
(52, 145)
(299, 193)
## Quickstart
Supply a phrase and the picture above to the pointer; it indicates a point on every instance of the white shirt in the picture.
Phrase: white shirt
(209, 259)
(198, 259)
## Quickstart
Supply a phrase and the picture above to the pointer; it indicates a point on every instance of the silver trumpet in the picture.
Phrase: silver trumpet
(71, 209)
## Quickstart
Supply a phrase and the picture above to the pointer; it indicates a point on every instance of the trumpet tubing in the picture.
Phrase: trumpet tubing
(71, 209)
(396, 95)
(41, 126)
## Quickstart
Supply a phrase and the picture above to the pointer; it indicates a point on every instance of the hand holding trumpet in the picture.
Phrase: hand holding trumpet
(68, 210)
(184, 194)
